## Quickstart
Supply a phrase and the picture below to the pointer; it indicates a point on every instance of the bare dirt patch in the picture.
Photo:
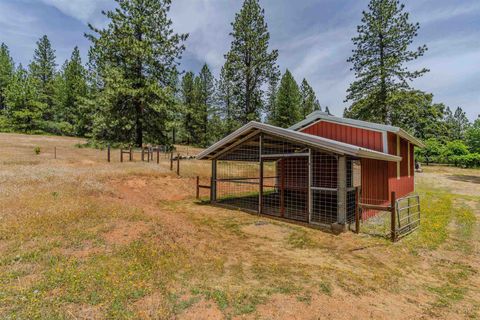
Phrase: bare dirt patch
(84, 312)
(202, 310)
(459, 181)
(153, 306)
(124, 232)
(267, 230)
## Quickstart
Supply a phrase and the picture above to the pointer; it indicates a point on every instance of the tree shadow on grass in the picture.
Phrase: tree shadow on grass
(465, 178)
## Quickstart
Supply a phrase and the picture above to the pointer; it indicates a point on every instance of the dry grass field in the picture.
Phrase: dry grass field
(81, 238)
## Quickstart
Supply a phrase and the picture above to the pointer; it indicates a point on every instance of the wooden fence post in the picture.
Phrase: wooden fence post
(55, 152)
(121, 155)
(393, 216)
(143, 154)
(131, 154)
(197, 195)
(158, 154)
(148, 154)
(357, 210)
(171, 161)
(108, 153)
(178, 164)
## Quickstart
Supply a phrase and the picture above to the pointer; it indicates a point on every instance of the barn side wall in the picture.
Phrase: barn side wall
(379, 178)
(404, 184)
(357, 136)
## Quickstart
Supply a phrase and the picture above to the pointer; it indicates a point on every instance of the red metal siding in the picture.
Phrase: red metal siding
(404, 184)
(348, 134)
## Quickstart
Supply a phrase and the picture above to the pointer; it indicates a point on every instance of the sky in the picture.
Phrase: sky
(313, 38)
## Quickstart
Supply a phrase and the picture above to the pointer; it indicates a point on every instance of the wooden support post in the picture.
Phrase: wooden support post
(357, 210)
(55, 152)
(108, 153)
(213, 183)
(342, 190)
(260, 191)
(393, 216)
(310, 183)
(158, 154)
(282, 187)
(143, 154)
(178, 164)
(148, 154)
(121, 155)
(131, 154)
(171, 161)
(197, 195)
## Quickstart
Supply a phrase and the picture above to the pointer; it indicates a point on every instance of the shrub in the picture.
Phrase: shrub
(37, 150)
(470, 160)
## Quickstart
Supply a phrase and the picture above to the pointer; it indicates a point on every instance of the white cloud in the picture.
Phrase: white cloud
(82, 10)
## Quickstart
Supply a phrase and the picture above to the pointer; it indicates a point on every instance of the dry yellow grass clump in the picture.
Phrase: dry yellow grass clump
(81, 238)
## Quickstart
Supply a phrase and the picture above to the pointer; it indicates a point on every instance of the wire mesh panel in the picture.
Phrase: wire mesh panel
(353, 181)
(289, 196)
(324, 188)
(238, 176)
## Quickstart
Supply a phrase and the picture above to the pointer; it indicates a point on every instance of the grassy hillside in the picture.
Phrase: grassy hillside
(83, 238)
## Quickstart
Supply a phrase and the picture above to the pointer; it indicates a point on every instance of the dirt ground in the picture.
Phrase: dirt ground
(81, 238)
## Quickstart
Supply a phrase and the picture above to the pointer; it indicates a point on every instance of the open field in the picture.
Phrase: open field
(81, 238)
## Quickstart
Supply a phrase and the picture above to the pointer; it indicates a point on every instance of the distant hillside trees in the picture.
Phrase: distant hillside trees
(6, 72)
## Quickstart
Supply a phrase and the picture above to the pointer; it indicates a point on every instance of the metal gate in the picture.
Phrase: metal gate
(408, 215)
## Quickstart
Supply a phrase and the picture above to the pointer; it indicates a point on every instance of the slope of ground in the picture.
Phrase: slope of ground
(81, 238)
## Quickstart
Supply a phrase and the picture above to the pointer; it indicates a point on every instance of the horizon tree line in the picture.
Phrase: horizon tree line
(131, 91)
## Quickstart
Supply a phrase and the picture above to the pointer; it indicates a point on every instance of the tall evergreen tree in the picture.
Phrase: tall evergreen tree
(229, 111)
(457, 123)
(309, 99)
(381, 51)
(70, 92)
(6, 72)
(249, 60)
(136, 57)
(206, 101)
(43, 69)
(288, 103)
(24, 108)
(187, 93)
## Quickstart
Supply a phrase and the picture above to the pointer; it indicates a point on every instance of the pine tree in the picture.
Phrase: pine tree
(6, 72)
(229, 111)
(272, 92)
(249, 60)
(43, 69)
(206, 102)
(24, 108)
(382, 49)
(136, 56)
(309, 99)
(288, 103)
(70, 91)
(457, 123)
(187, 93)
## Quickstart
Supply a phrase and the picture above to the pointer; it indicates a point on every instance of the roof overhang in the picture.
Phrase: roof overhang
(253, 128)
(318, 116)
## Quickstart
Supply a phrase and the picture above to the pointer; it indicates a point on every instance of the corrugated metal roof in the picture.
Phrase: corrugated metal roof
(299, 137)
(319, 115)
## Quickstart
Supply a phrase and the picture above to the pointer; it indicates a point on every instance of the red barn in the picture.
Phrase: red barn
(309, 172)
